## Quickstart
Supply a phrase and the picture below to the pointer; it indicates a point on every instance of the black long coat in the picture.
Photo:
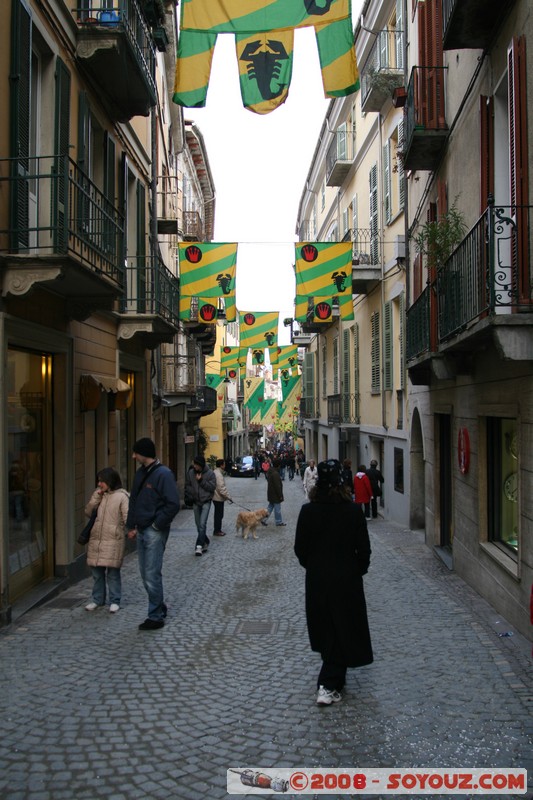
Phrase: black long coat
(332, 544)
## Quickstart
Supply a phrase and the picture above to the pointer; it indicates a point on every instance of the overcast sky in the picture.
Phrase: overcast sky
(259, 165)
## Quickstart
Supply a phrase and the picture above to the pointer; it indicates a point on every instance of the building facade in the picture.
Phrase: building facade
(89, 281)
(466, 151)
(354, 382)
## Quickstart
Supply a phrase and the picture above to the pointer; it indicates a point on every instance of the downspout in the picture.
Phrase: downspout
(382, 282)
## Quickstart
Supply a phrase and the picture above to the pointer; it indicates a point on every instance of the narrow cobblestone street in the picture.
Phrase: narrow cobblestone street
(92, 707)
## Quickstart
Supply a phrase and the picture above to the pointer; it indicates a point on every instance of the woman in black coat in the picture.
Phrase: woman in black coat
(332, 545)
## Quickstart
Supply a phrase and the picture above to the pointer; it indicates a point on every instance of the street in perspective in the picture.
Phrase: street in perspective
(93, 707)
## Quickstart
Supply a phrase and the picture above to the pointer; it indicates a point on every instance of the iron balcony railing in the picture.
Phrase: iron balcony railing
(123, 16)
(343, 409)
(342, 148)
(151, 289)
(366, 245)
(309, 408)
(178, 374)
(55, 209)
(384, 65)
(192, 226)
(489, 272)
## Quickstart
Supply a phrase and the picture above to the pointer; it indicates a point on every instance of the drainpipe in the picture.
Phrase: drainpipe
(382, 286)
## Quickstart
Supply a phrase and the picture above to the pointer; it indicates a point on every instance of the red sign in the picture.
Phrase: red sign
(463, 450)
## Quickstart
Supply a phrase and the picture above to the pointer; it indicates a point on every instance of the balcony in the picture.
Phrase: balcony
(366, 264)
(309, 408)
(383, 71)
(344, 409)
(192, 227)
(472, 24)
(150, 307)
(203, 403)
(425, 129)
(178, 375)
(340, 156)
(116, 52)
(61, 233)
(481, 296)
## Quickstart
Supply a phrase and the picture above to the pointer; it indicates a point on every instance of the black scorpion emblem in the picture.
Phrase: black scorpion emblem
(265, 65)
(259, 356)
(270, 337)
(339, 279)
(224, 281)
(317, 7)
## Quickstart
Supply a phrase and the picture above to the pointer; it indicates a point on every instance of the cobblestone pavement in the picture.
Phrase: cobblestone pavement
(91, 707)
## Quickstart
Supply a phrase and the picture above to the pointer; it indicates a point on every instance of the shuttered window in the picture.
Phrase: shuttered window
(486, 113)
(402, 340)
(387, 200)
(356, 374)
(387, 347)
(373, 199)
(518, 107)
(20, 98)
(309, 384)
(346, 383)
(375, 354)
(141, 248)
(336, 389)
(62, 143)
(401, 171)
(324, 369)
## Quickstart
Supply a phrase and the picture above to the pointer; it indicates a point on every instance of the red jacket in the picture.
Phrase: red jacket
(362, 488)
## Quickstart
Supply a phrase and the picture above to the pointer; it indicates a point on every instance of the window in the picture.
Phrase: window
(387, 347)
(374, 243)
(324, 369)
(356, 375)
(336, 365)
(375, 353)
(387, 189)
(502, 482)
(398, 470)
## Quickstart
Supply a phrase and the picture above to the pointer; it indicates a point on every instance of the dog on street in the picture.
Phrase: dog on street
(247, 522)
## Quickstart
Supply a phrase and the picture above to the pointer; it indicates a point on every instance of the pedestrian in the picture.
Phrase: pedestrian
(347, 474)
(220, 496)
(310, 477)
(291, 464)
(274, 493)
(107, 542)
(332, 545)
(257, 466)
(200, 485)
(154, 502)
(376, 480)
(362, 489)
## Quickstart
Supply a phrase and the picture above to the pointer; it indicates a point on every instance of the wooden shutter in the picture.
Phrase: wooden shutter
(399, 34)
(141, 248)
(309, 383)
(442, 198)
(373, 199)
(387, 346)
(109, 192)
(336, 365)
(518, 106)
(62, 142)
(402, 340)
(356, 373)
(19, 116)
(486, 113)
(346, 383)
(375, 353)
(387, 182)
(401, 171)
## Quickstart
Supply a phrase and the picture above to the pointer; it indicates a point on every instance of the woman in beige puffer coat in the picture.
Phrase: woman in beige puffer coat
(105, 550)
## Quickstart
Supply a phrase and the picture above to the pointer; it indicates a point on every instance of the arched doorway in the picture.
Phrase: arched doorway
(417, 515)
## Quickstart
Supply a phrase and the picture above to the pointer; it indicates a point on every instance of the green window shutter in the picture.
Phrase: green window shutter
(336, 365)
(309, 383)
(109, 191)
(141, 248)
(61, 150)
(356, 376)
(387, 182)
(19, 115)
(324, 369)
(387, 347)
(346, 383)
(374, 244)
(401, 171)
(375, 354)
(402, 340)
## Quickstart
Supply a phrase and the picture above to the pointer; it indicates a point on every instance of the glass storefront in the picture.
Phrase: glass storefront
(503, 472)
(29, 419)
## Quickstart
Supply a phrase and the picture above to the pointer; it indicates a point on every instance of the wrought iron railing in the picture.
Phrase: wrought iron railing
(417, 326)
(342, 148)
(343, 409)
(151, 289)
(192, 225)
(366, 246)
(56, 209)
(122, 16)
(384, 62)
(309, 408)
(178, 374)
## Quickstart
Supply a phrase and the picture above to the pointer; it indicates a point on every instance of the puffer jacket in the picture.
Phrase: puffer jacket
(198, 492)
(108, 535)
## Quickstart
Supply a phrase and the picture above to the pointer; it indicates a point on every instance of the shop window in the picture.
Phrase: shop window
(398, 470)
(502, 482)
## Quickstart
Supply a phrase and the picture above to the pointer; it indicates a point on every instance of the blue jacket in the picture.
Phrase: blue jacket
(154, 502)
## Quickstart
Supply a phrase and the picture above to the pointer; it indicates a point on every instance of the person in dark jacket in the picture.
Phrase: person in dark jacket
(154, 502)
(274, 493)
(200, 485)
(333, 546)
(376, 479)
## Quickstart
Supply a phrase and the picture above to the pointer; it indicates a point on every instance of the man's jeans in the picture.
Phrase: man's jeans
(276, 507)
(150, 549)
(201, 514)
(99, 585)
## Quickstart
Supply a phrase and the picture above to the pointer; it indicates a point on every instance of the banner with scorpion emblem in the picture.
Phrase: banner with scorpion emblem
(323, 275)
(264, 42)
(258, 330)
(287, 358)
(207, 273)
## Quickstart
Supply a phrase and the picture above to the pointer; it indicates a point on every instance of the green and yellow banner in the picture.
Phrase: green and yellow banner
(213, 379)
(287, 357)
(234, 16)
(269, 412)
(207, 269)
(323, 269)
(258, 329)
(230, 362)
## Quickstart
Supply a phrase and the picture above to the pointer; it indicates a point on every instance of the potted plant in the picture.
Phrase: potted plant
(438, 239)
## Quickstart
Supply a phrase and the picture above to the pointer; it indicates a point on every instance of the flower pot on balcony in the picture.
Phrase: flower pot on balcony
(399, 96)
(108, 17)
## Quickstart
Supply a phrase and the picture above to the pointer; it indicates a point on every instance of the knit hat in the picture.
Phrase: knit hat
(144, 447)
(200, 460)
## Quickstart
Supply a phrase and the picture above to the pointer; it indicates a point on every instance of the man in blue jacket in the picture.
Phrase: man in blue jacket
(154, 502)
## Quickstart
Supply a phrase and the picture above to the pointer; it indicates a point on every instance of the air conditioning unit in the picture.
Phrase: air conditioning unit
(399, 247)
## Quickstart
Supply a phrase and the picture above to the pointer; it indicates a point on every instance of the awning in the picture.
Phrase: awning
(92, 386)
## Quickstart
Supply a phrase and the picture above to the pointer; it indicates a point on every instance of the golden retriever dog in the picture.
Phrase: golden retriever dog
(247, 522)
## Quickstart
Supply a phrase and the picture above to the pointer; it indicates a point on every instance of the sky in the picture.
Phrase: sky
(259, 165)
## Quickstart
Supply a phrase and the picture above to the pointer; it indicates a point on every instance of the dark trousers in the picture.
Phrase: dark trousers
(218, 505)
(365, 508)
(374, 503)
(331, 676)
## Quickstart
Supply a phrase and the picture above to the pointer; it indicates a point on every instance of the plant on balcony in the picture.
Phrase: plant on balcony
(438, 239)
(383, 80)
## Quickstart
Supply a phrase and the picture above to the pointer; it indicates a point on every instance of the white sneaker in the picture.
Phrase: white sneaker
(198, 551)
(113, 608)
(326, 697)
(91, 606)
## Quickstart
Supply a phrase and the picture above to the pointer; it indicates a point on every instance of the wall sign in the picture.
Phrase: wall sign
(463, 450)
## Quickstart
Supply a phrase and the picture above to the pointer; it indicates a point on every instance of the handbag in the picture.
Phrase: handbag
(85, 535)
